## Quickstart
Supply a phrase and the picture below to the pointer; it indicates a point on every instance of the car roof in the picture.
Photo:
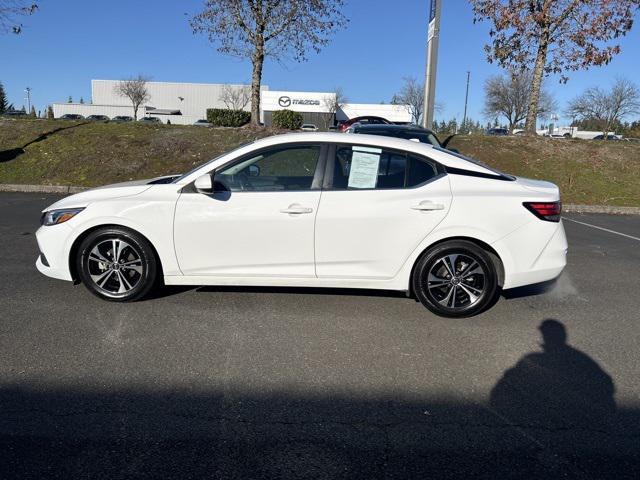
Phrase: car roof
(442, 156)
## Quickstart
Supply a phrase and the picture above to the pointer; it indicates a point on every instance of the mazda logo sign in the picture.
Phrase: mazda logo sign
(284, 101)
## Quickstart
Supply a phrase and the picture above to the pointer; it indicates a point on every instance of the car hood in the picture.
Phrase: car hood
(107, 192)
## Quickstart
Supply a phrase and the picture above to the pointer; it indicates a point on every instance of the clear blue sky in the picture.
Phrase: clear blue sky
(69, 42)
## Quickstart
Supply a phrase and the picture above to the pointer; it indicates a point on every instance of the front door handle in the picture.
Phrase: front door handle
(427, 206)
(295, 209)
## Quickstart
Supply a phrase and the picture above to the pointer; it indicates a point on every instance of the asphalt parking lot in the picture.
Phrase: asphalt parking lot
(299, 383)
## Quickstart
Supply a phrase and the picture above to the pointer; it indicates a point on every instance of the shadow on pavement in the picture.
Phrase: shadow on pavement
(552, 415)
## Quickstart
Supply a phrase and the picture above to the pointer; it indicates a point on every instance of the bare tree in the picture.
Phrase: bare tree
(256, 29)
(606, 108)
(235, 97)
(135, 89)
(11, 11)
(553, 36)
(508, 96)
(332, 104)
(412, 95)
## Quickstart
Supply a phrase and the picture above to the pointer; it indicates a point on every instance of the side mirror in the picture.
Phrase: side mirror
(254, 171)
(204, 183)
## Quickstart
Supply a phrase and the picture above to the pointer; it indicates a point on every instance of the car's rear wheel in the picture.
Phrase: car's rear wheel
(117, 264)
(455, 279)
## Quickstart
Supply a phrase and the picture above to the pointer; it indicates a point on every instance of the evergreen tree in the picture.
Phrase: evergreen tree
(70, 99)
(4, 106)
(32, 113)
(82, 100)
(50, 114)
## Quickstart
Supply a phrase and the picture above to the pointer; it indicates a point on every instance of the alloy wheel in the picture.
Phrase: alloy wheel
(456, 281)
(115, 266)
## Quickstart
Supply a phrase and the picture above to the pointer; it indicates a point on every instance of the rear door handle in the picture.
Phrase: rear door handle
(428, 206)
(295, 209)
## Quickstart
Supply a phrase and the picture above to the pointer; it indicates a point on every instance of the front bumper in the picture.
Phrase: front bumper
(54, 243)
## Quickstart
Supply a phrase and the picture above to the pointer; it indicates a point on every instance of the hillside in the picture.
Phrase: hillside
(89, 154)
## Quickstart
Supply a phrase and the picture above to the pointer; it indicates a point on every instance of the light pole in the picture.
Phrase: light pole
(28, 99)
(466, 98)
(432, 63)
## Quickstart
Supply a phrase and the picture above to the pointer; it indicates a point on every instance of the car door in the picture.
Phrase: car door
(260, 219)
(377, 206)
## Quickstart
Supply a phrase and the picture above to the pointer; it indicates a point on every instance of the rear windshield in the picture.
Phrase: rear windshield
(475, 162)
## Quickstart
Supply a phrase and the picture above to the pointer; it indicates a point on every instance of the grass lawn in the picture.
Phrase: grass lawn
(55, 152)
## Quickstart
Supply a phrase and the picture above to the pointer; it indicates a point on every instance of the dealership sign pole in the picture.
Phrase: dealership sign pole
(432, 63)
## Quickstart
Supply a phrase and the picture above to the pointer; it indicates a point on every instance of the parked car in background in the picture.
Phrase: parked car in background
(203, 123)
(309, 127)
(150, 120)
(71, 116)
(98, 118)
(122, 119)
(607, 137)
(14, 114)
(365, 120)
(497, 131)
(408, 132)
(315, 210)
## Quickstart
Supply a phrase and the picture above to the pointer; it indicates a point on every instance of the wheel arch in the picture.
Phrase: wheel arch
(493, 254)
(80, 238)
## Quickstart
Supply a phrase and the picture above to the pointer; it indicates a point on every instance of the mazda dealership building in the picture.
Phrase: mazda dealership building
(185, 103)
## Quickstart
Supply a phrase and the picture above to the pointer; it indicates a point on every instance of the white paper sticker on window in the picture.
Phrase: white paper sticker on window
(364, 167)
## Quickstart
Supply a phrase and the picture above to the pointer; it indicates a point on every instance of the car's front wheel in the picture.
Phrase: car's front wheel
(117, 264)
(455, 279)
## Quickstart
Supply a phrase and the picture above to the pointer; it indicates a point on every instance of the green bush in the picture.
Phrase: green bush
(224, 117)
(287, 119)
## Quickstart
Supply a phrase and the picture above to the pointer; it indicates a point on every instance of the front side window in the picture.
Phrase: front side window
(358, 167)
(281, 169)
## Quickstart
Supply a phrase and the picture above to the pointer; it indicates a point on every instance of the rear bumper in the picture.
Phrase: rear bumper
(541, 254)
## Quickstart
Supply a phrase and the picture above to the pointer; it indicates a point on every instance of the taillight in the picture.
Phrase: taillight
(549, 211)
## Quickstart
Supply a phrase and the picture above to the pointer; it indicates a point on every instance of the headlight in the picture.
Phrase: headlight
(55, 217)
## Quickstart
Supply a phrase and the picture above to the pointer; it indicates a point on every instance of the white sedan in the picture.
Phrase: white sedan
(315, 210)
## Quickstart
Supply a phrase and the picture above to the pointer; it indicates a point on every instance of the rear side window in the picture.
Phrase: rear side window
(359, 167)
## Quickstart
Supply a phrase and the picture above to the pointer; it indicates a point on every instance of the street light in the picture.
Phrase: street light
(432, 62)
(28, 99)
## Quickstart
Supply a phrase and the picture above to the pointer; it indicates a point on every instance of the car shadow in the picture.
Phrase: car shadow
(353, 292)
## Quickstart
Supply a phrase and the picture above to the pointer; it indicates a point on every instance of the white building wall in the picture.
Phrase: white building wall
(192, 99)
(393, 113)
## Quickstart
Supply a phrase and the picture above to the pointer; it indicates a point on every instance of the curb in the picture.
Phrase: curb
(612, 210)
(66, 189)
(7, 187)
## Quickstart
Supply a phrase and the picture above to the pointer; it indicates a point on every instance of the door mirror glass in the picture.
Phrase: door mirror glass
(204, 183)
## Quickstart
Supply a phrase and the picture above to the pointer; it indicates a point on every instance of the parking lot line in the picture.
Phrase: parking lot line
(602, 228)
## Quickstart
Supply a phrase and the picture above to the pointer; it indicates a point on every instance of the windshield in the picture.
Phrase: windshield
(210, 161)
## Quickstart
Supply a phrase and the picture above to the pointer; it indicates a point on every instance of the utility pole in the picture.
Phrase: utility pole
(432, 63)
(28, 99)
(466, 98)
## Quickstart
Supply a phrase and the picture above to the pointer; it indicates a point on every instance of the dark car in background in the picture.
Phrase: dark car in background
(408, 132)
(122, 119)
(98, 118)
(499, 132)
(366, 120)
(150, 120)
(71, 116)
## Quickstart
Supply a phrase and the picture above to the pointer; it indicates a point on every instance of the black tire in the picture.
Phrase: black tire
(130, 277)
(468, 292)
